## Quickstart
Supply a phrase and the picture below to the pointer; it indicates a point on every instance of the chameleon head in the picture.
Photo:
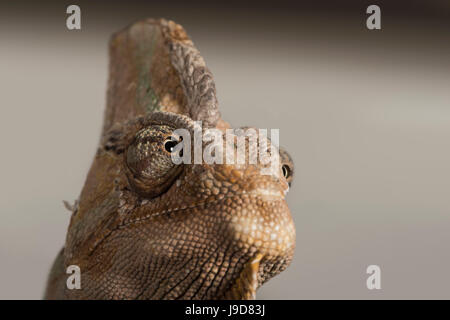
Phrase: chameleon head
(149, 227)
(212, 218)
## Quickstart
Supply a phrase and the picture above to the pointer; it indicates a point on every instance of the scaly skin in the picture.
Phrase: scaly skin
(145, 228)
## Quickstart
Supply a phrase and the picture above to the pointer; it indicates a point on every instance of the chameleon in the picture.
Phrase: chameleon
(144, 227)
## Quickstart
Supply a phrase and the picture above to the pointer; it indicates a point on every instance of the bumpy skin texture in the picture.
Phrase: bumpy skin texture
(145, 228)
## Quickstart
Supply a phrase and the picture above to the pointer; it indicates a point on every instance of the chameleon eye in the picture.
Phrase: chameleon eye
(151, 170)
(286, 171)
(287, 166)
(169, 145)
(171, 142)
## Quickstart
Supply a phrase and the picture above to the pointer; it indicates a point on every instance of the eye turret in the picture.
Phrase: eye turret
(148, 159)
(287, 166)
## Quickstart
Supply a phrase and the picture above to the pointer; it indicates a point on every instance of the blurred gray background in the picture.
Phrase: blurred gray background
(365, 114)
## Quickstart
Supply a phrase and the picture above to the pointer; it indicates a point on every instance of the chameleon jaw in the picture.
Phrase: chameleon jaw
(246, 284)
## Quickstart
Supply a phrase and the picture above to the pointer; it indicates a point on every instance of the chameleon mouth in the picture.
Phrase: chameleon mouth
(268, 194)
